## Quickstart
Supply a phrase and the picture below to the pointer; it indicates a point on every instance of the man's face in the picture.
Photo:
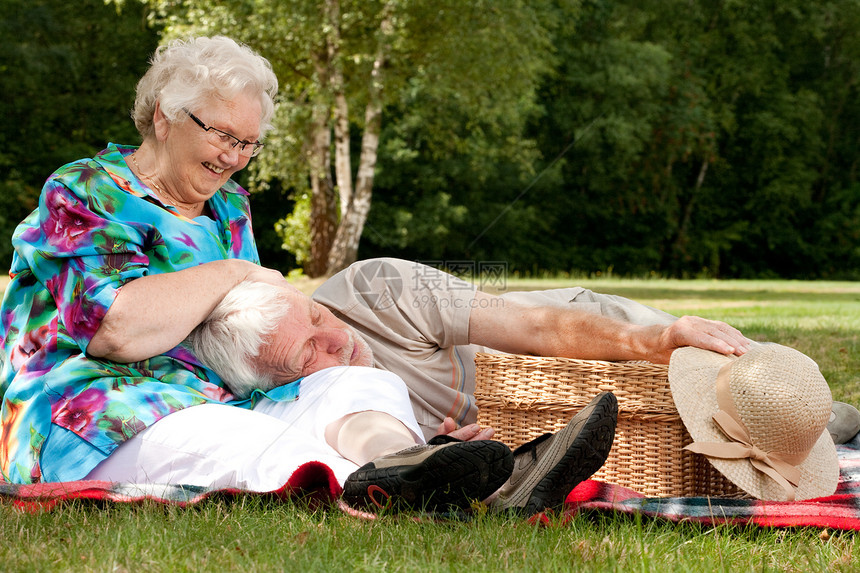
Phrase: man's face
(308, 339)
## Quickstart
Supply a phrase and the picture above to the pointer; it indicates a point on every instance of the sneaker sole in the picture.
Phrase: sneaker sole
(586, 453)
(453, 476)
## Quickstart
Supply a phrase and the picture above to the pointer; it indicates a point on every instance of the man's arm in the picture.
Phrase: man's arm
(554, 331)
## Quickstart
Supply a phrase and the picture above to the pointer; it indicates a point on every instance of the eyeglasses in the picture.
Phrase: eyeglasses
(224, 141)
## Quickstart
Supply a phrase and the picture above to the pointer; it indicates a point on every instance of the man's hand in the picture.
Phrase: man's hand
(467, 433)
(699, 332)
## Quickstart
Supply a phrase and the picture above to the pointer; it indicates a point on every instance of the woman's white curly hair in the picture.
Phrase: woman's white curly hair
(184, 74)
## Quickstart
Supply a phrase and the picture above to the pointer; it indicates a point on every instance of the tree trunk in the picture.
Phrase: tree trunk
(324, 212)
(342, 156)
(323, 223)
(344, 251)
(342, 160)
(678, 244)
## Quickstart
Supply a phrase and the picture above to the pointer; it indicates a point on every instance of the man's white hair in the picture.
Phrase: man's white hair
(233, 334)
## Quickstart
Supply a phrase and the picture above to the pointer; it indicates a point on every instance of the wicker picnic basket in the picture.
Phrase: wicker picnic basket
(523, 397)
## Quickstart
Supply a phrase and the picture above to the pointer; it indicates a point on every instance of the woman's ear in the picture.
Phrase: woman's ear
(160, 123)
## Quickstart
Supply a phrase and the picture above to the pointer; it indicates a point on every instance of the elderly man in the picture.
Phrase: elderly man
(355, 419)
(261, 337)
(425, 326)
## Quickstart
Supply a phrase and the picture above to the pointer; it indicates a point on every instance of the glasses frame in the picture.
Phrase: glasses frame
(256, 146)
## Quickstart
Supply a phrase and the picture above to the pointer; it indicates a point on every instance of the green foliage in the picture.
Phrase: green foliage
(67, 72)
(686, 138)
(426, 224)
(711, 131)
(293, 229)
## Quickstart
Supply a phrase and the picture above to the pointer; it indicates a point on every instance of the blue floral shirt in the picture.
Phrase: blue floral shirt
(96, 228)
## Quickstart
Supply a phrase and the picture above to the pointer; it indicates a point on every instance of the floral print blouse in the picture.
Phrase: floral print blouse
(96, 228)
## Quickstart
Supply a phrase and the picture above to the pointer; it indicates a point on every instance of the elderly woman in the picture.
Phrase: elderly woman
(127, 253)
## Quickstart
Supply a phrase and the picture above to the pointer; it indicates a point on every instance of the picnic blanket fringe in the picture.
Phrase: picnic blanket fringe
(313, 480)
(316, 481)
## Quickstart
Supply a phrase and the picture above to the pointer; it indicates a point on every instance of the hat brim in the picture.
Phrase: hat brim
(692, 379)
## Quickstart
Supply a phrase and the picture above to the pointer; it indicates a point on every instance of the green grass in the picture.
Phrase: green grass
(821, 319)
(254, 534)
(261, 534)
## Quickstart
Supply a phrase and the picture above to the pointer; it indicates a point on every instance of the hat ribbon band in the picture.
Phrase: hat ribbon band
(769, 464)
(772, 464)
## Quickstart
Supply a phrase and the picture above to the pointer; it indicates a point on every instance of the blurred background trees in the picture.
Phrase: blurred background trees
(672, 137)
(67, 77)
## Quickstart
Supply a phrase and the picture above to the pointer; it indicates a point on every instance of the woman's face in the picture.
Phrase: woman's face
(195, 168)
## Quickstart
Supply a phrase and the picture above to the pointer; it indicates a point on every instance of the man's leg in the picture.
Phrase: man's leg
(613, 306)
(547, 468)
(218, 446)
(221, 446)
(366, 416)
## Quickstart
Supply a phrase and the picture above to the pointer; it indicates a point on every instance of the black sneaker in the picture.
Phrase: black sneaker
(548, 467)
(443, 473)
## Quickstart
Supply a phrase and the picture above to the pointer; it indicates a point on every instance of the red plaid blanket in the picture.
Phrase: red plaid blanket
(313, 479)
(839, 511)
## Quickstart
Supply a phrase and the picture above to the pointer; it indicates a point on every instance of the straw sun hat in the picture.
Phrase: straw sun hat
(775, 404)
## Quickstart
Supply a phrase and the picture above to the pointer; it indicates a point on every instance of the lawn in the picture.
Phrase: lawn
(821, 319)
(259, 534)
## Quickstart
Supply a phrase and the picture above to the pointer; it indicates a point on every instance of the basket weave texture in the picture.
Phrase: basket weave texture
(523, 397)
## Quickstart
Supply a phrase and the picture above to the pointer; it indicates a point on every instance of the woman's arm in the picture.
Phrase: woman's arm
(152, 314)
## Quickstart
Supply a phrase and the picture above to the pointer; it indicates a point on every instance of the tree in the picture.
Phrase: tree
(760, 66)
(67, 74)
(342, 62)
(713, 137)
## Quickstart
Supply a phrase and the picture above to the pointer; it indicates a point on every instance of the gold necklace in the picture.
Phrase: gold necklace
(155, 184)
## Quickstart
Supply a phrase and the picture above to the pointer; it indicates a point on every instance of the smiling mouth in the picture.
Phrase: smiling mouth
(218, 170)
